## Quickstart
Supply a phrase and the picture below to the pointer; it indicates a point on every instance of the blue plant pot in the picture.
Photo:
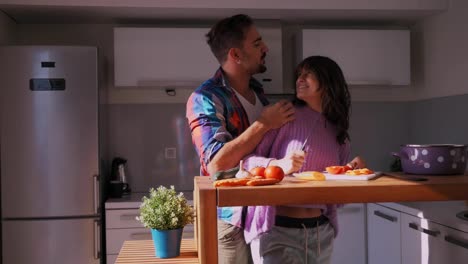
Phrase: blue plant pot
(167, 242)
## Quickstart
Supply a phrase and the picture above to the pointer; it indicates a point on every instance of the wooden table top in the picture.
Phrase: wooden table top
(142, 251)
(382, 189)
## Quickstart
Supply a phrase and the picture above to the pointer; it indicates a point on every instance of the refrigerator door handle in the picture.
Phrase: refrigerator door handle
(97, 240)
(96, 193)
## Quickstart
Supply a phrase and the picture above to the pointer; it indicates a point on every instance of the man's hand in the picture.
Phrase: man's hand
(276, 115)
(291, 163)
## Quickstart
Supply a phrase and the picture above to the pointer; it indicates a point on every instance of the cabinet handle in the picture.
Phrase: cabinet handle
(128, 217)
(413, 226)
(370, 82)
(137, 236)
(97, 240)
(384, 216)
(433, 233)
(96, 193)
(452, 240)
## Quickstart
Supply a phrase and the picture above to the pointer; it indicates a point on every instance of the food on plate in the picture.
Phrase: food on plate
(249, 181)
(258, 182)
(338, 169)
(231, 182)
(364, 171)
(258, 171)
(310, 175)
(274, 172)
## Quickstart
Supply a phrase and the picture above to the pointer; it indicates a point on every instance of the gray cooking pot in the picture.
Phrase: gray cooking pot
(439, 159)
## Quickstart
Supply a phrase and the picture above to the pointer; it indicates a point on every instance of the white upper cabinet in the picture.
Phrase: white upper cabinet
(367, 57)
(180, 57)
(272, 79)
(162, 57)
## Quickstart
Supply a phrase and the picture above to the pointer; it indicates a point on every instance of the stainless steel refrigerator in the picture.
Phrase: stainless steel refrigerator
(49, 155)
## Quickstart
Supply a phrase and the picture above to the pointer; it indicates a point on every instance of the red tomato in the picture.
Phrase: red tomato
(258, 171)
(335, 169)
(274, 172)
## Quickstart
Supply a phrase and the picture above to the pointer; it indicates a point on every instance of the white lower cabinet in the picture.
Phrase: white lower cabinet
(121, 225)
(383, 231)
(396, 237)
(350, 244)
(426, 242)
(455, 246)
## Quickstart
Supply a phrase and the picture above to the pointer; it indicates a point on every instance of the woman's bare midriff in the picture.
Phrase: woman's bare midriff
(298, 212)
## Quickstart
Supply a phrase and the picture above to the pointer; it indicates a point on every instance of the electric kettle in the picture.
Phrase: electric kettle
(119, 173)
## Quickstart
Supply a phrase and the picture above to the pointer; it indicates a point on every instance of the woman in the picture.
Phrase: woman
(303, 233)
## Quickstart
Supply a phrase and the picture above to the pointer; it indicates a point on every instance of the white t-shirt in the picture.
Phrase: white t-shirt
(253, 110)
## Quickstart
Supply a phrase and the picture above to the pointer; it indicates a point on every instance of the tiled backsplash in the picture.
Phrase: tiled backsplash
(147, 134)
(156, 141)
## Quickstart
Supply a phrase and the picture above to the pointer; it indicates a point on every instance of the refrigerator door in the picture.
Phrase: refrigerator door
(71, 241)
(49, 131)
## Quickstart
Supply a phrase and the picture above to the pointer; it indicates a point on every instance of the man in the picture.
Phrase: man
(228, 116)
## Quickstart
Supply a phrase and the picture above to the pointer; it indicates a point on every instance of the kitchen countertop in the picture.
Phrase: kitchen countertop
(128, 201)
(441, 212)
(291, 191)
(133, 200)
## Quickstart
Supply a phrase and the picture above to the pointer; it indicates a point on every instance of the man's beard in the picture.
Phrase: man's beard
(262, 67)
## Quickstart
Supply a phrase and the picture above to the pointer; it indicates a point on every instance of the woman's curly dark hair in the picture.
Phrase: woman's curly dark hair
(336, 99)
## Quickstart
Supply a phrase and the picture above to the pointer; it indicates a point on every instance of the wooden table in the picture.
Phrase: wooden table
(142, 251)
(292, 191)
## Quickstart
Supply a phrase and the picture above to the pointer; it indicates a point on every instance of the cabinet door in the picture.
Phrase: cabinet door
(427, 242)
(116, 237)
(367, 57)
(272, 79)
(180, 57)
(416, 237)
(383, 231)
(110, 259)
(123, 218)
(455, 246)
(350, 244)
(158, 57)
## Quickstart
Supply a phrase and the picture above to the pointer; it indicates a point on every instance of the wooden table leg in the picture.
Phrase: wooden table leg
(207, 231)
(195, 207)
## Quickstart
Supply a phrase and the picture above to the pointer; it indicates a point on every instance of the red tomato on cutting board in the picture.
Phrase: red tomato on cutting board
(337, 169)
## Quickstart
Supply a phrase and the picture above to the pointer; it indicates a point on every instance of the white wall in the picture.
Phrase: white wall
(7, 27)
(443, 53)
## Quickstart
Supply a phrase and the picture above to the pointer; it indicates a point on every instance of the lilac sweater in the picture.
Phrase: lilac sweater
(322, 150)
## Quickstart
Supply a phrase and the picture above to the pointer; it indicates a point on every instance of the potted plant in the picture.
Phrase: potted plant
(166, 213)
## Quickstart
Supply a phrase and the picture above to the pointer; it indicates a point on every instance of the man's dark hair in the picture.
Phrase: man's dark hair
(228, 33)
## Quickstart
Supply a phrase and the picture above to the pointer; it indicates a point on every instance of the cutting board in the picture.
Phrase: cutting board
(344, 177)
(337, 177)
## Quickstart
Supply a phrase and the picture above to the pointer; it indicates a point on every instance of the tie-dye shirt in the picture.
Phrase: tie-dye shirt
(216, 116)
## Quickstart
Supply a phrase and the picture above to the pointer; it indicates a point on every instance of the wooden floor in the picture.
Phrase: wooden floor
(142, 251)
